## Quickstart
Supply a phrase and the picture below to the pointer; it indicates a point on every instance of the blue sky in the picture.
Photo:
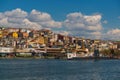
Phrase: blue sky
(59, 9)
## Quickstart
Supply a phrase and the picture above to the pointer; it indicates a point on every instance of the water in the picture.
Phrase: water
(36, 69)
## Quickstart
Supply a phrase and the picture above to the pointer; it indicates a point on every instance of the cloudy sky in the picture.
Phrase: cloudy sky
(94, 19)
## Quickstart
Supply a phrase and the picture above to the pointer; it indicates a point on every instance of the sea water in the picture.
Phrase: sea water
(48, 69)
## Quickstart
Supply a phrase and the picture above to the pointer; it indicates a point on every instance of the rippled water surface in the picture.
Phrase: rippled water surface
(37, 69)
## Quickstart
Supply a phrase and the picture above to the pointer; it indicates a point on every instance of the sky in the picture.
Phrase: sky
(94, 19)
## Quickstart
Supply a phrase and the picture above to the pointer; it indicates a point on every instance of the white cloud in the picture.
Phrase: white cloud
(43, 19)
(114, 31)
(66, 33)
(105, 21)
(85, 34)
(1, 16)
(113, 34)
(92, 19)
(13, 18)
(79, 21)
(84, 25)
(33, 25)
(37, 16)
(118, 17)
(17, 13)
(35, 19)
(96, 35)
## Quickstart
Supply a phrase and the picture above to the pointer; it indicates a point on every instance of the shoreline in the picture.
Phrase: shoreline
(52, 58)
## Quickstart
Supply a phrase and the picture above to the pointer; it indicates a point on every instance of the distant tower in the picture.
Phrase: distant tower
(83, 45)
(96, 52)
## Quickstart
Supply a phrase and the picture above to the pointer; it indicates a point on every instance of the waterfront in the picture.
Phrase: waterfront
(50, 69)
(22, 42)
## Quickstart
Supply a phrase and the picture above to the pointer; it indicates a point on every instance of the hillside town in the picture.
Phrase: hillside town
(22, 42)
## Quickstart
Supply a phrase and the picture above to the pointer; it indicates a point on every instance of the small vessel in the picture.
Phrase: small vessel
(6, 51)
(71, 55)
(74, 56)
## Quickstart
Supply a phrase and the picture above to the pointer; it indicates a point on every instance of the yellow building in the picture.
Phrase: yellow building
(15, 35)
(1, 34)
(41, 40)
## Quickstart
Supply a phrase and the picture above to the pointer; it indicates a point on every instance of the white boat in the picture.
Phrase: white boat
(75, 56)
(4, 51)
(71, 55)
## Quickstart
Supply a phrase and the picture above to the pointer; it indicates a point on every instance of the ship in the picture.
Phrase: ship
(76, 56)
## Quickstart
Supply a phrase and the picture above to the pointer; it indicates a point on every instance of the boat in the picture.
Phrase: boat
(6, 51)
(74, 56)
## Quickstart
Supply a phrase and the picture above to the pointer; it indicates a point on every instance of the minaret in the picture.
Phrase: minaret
(83, 45)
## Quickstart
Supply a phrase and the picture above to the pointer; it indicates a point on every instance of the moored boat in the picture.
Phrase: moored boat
(74, 56)
(6, 51)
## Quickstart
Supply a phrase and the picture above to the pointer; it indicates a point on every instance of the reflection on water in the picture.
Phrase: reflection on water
(36, 69)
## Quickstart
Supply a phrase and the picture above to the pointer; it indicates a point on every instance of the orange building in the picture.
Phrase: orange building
(1, 34)
(25, 34)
